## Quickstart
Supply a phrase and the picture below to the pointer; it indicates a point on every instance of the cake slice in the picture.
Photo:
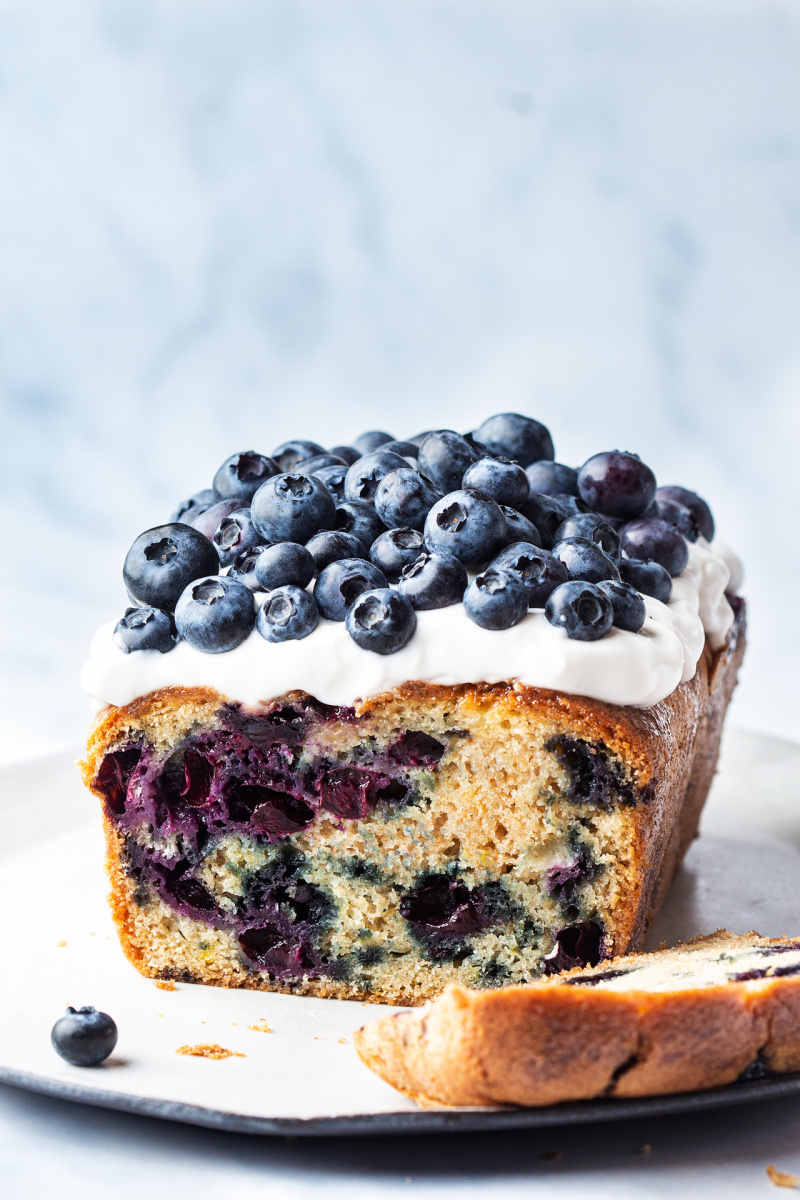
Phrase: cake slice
(706, 1013)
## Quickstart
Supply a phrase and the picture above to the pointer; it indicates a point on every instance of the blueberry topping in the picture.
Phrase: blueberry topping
(503, 480)
(359, 518)
(287, 615)
(241, 475)
(649, 578)
(288, 454)
(496, 599)
(343, 582)
(675, 514)
(395, 550)
(194, 506)
(84, 1037)
(333, 478)
(234, 535)
(593, 527)
(362, 479)
(215, 614)
(548, 514)
(444, 457)
(628, 605)
(585, 560)
(581, 609)
(317, 463)
(145, 629)
(373, 439)
(552, 478)
(348, 454)
(517, 437)
(696, 505)
(419, 438)
(162, 561)
(519, 528)
(434, 581)
(468, 524)
(540, 571)
(653, 540)
(243, 568)
(381, 620)
(207, 520)
(575, 946)
(282, 564)
(404, 498)
(617, 484)
(332, 546)
(292, 508)
(404, 449)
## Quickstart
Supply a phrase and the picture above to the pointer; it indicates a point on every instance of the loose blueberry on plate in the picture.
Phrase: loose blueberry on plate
(241, 475)
(654, 540)
(552, 478)
(359, 518)
(287, 615)
(505, 481)
(243, 568)
(404, 498)
(145, 629)
(207, 520)
(519, 528)
(496, 599)
(444, 457)
(434, 581)
(581, 609)
(373, 439)
(215, 614)
(381, 620)
(348, 453)
(289, 453)
(467, 524)
(649, 578)
(234, 535)
(595, 528)
(84, 1037)
(333, 545)
(342, 582)
(540, 571)
(292, 508)
(518, 437)
(313, 466)
(282, 564)
(696, 505)
(628, 605)
(163, 560)
(585, 560)
(192, 507)
(395, 550)
(333, 478)
(362, 479)
(617, 484)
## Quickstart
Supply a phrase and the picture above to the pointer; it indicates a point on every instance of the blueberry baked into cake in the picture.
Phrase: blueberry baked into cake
(409, 713)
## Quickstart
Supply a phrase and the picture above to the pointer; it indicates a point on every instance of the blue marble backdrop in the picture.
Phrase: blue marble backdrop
(224, 224)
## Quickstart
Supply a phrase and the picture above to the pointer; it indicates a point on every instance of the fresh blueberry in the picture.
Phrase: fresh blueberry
(593, 527)
(517, 437)
(696, 505)
(290, 453)
(434, 581)
(163, 560)
(404, 498)
(649, 578)
(359, 518)
(503, 480)
(540, 571)
(373, 439)
(241, 475)
(675, 514)
(348, 454)
(616, 484)
(84, 1037)
(312, 466)
(362, 479)
(628, 605)
(381, 620)
(548, 513)
(282, 564)
(333, 478)
(243, 568)
(332, 546)
(207, 520)
(519, 528)
(585, 560)
(552, 478)
(341, 582)
(581, 609)
(496, 599)
(145, 629)
(654, 540)
(215, 614)
(419, 438)
(404, 449)
(468, 524)
(444, 457)
(288, 614)
(196, 504)
(292, 508)
(480, 449)
(395, 550)
(235, 534)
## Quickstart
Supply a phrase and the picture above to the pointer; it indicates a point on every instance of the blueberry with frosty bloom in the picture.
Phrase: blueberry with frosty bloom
(649, 578)
(516, 436)
(381, 620)
(163, 560)
(468, 524)
(395, 550)
(292, 508)
(241, 475)
(342, 582)
(145, 628)
(539, 570)
(215, 614)
(444, 457)
(282, 564)
(496, 599)
(581, 609)
(628, 605)
(288, 614)
(434, 581)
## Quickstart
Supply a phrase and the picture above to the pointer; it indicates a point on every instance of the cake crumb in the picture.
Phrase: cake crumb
(261, 1027)
(63, 942)
(342, 1041)
(209, 1050)
(646, 1149)
(165, 985)
(553, 1155)
(782, 1178)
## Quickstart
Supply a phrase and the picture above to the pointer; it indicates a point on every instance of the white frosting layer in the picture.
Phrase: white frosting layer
(637, 669)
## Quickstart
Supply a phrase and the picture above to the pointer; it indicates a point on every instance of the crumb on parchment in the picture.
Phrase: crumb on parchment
(261, 1027)
(165, 985)
(209, 1050)
(782, 1178)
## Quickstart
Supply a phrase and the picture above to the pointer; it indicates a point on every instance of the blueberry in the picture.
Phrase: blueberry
(312, 466)
(616, 484)
(585, 560)
(241, 475)
(332, 546)
(288, 614)
(517, 437)
(163, 560)
(145, 629)
(282, 564)
(341, 582)
(192, 507)
(434, 581)
(362, 479)
(547, 513)
(243, 568)
(628, 605)
(372, 440)
(215, 614)
(235, 534)
(696, 505)
(444, 457)
(359, 518)
(404, 498)
(206, 520)
(653, 540)
(289, 453)
(519, 528)
(675, 514)
(333, 478)
(381, 620)
(552, 478)
(419, 438)
(348, 454)
(540, 571)
(292, 508)
(649, 578)
(84, 1037)
(468, 524)
(581, 609)
(496, 599)
(404, 449)
(395, 550)
(593, 527)
(503, 480)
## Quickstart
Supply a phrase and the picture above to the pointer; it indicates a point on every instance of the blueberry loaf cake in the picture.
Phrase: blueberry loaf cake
(709, 1012)
(407, 714)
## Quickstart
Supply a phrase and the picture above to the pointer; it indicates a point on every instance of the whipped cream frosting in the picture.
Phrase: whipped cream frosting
(637, 669)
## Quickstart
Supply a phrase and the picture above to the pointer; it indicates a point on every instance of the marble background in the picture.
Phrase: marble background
(225, 224)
